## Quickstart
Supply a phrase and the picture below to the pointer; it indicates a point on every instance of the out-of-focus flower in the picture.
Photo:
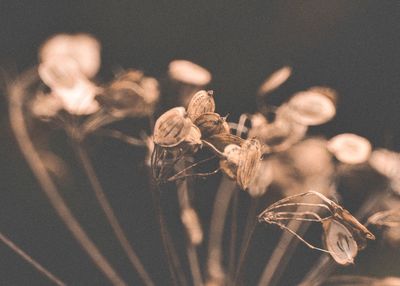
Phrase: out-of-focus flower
(313, 107)
(45, 106)
(189, 73)
(275, 80)
(350, 148)
(387, 163)
(83, 48)
(262, 179)
(131, 94)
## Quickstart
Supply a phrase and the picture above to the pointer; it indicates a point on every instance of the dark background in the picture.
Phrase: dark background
(352, 46)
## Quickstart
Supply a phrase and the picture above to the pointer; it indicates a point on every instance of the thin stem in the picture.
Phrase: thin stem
(184, 202)
(17, 96)
(116, 134)
(31, 261)
(243, 253)
(222, 199)
(184, 170)
(110, 215)
(232, 241)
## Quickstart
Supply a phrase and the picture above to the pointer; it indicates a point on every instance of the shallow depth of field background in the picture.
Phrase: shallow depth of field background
(351, 46)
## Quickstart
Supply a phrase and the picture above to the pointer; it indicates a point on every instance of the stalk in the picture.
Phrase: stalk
(17, 97)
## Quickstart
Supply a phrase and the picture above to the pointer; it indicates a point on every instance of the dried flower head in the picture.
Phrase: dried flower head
(131, 94)
(172, 127)
(313, 107)
(201, 102)
(350, 148)
(83, 48)
(211, 123)
(262, 180)
(189, 73)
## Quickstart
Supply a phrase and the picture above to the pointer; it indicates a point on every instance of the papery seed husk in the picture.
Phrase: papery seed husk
(386, 163)
(60, 73)
(232, 153)
(220, 141)
(172, 127)
(262, 180)
(201, 102)
(347, 218)
(339, 242)
(194, 136)
(312, 107)
(350, 148)
(249, 162)
(275, 80)
(389, 218)
(211, 123)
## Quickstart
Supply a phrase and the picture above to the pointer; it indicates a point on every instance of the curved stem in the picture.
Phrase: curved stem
(31, 261)
(233, 235)
(17, 96)
(110, 215)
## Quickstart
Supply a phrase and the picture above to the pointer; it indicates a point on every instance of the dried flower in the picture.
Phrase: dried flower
(211, 123)
(350, 148)
(249, 162)
(201, 102)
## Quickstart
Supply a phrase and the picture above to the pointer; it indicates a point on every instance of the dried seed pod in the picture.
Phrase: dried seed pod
(314, 106)
(387, 163)
(350, 148)
(189, 73)
(194, 137)
(340, 242)
(262, 179)
(201, 102)
(389, 218)
(172, 127)
(232, 153)
(249, 162)
(230, 169)
(192, 224)
(351, 222)
(275, 80)
(45, 106)
(211, 123)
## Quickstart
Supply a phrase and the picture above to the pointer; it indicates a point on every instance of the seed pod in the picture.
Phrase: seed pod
(201, 102)
(220, 141)
(314, 106)
(211, 123)
(262, 179)
(63, 73)
(340, 242)
(188, 73)
(350, 148)
(232, 153)
(275, 80)
(192, 224)
(230, 169)
(172, 127)
(193, 139)
(389, 218)
(351, 222)
(249, 162)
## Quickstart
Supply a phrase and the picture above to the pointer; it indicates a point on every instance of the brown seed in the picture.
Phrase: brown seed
(201, 102)
(249, 162)
(340, 242)
(220, 141)
(172, 127)
(211, 123)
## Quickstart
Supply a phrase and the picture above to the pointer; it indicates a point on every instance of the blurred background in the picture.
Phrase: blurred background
(351, 46)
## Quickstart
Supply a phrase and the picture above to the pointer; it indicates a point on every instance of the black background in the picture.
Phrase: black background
(352, 46)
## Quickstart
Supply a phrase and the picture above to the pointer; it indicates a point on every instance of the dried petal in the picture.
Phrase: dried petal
(249, 162)
(350, 148)
(313, 107)
(211, 124)
(340, 242)
(201, 102)
(189, 73)
(172, 127)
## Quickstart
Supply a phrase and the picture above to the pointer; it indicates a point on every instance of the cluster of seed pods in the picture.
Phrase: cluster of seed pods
(199, 125)
(344, 235)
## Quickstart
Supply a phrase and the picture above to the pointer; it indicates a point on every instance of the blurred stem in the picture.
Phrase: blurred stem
(174, 265)
(110, 215)
(233, 235)
(220, 209)
(184, 202)
(17, 98)
(31, 261)
(325, 264)
(249, 228)
(116, 134)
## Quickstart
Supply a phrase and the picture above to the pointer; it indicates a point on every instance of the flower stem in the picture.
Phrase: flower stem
(17, 97)
(31, 261)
